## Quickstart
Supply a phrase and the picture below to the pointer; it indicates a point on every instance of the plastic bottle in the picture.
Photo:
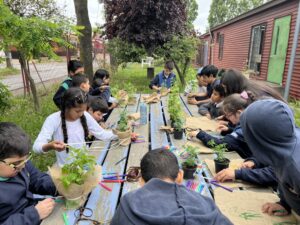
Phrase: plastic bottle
(143, 112)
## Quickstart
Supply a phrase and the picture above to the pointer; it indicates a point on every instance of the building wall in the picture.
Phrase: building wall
(237, 37)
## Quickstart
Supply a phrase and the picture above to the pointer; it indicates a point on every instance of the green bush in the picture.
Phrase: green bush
(5, 96)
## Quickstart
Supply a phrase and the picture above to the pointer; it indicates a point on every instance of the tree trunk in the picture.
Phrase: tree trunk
(81, 8)
(180, 74)
(8, 59)
(24, 67)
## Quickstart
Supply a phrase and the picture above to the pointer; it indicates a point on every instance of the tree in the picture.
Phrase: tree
(181, 50)
(146, 23)
(46, 9)
(224, 10)
(33, 37)
(85, 39)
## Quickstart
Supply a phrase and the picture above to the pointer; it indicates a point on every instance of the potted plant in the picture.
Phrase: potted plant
(220, 161)
(131, 91)
(178, 128)
(123, 130)
(189, 165)
(76, 179)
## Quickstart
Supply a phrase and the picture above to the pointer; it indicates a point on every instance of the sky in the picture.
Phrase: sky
(96, 12)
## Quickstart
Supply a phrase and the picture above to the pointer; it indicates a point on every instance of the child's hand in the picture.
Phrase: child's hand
(274, 209)
(225, 175)
(191, 95)
(193, 134)
(45, 208)
(57, 145)
(208, 116)
(221, 128)
(220, 117)
(248, 164)
(193, 101)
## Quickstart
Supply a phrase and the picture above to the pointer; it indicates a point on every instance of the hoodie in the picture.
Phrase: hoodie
(163, 203)
(269, 129)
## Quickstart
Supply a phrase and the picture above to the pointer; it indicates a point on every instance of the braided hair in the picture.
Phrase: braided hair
(72, 98)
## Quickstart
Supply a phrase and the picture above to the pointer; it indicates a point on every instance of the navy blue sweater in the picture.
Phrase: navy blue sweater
(65, 85)
(17, 205)
(163, 203)
(234, 141)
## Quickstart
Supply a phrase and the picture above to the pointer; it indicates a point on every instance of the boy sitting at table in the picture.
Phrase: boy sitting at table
(213, 109)
(19, 179)
(162, 199)
(165, 78)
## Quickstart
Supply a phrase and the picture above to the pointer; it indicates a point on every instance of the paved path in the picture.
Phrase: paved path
(48, 71)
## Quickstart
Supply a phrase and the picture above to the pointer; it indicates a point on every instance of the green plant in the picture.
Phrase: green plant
(123, 122)
(296, 108)
(130, 89)
(178, 124)
(5, 101)
(78, 170)
(219, 150)
(191, 160)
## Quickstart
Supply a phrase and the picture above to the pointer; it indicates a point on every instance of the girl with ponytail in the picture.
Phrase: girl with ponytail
(70, 125)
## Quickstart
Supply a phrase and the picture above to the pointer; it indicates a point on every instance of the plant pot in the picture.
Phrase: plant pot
(221, 165)
(178, 134)
(132, 100)
(189, 172)
(124, 136)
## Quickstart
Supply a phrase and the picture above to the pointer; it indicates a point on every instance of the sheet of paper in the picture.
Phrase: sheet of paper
(244, 207)
(202, 122)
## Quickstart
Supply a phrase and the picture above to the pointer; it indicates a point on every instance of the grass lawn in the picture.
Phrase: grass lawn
(8, 71)
(136, 75)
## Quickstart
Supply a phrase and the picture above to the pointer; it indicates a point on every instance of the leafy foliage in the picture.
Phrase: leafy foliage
(46, 9)
(219, 150)
(191, 160)
(224, 10)
(146, 23)
(123, 122)
(5, 95)
(296, 108)
(78, 170)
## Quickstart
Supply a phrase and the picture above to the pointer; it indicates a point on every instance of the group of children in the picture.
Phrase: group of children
(254, 120)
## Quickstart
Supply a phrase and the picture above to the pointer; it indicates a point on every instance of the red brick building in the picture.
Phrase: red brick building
(260, 41)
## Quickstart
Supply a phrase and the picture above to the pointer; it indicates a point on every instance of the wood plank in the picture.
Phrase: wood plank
(179, 143)
(102, 202)
(193, 109)
(137, 151)
(158, 137)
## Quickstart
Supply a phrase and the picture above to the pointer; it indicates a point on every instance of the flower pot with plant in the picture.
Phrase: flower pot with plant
(220, 161)
(178, 128)
(131, 91)
(189, 165)
(123, 130)
(76, 179)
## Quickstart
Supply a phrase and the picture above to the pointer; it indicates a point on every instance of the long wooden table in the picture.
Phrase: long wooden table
(104, 203)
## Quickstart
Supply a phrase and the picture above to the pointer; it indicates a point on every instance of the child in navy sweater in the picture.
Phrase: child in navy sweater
(233, 106)
(19, 180)
(74, 67)
(163, 200)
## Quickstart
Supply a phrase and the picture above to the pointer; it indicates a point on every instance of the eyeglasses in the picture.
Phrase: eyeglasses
(19, 165)
(87, 213)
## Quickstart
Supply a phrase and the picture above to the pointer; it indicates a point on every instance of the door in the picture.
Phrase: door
(280, 39)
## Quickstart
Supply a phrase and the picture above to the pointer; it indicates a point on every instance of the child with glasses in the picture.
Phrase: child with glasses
(69, 127)
(19, 180)
(162, 199)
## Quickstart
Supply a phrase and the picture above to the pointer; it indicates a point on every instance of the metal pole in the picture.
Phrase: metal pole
(292, 60)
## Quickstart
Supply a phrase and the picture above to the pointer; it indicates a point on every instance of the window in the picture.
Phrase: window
(221, 46)
(256, 47)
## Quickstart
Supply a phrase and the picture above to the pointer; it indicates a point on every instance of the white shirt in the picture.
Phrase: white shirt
(52, 130)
